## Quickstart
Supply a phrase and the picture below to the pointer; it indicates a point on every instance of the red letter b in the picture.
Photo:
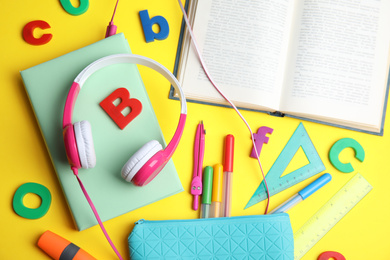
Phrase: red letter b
(115, 112)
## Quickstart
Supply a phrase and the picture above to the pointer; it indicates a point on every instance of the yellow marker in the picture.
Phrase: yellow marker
(216, 199)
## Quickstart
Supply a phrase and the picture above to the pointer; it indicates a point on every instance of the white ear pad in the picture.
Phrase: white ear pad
(85, 147)
(139, 158)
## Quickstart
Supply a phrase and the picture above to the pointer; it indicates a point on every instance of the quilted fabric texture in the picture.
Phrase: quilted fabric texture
(249, 237)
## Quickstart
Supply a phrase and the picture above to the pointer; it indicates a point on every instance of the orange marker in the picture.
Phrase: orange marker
(59, 248)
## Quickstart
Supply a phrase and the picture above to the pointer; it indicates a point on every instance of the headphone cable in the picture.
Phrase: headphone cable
(111, 28)
(75, 171)
(195, 45)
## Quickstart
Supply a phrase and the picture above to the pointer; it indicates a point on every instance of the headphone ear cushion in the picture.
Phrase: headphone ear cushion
(84, 141)
(139, 158)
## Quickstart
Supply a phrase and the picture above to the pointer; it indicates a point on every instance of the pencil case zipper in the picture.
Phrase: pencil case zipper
(222, 220)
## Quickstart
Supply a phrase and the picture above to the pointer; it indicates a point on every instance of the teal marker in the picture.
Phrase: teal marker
(207, 192)
(303, 194)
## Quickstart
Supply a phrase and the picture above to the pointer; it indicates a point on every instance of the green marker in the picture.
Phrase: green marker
(207, 190)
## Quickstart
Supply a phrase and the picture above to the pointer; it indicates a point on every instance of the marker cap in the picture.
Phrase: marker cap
(207, 185)
(58, 247)
(229, 153)
(217, 183)
(315, 185)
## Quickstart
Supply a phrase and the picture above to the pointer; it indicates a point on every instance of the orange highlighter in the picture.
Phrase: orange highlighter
(228, 175)
(216, 199)
(58, 247)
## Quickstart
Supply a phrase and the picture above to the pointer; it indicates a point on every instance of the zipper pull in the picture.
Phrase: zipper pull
(140, 221)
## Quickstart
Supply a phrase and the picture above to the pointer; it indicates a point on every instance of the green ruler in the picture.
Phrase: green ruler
(329, 214)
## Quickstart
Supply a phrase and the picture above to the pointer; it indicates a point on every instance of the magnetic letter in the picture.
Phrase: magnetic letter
(37, 189)
(115, 112)
(261, 138)
(28, 33)
(339, 146)
(331, 255)
(67, 5)
(148, 23)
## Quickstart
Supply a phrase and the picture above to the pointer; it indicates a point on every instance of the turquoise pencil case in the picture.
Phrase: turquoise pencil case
(247, 237)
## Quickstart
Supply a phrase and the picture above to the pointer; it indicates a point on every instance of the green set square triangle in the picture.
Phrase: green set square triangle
(275, 183)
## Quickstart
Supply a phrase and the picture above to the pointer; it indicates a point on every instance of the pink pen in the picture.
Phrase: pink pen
(196, 184)
(228, 175)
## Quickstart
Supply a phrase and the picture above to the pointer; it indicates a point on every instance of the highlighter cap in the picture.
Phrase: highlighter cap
(229, 153)
(52, 244)
(58, 247)
(207, 185)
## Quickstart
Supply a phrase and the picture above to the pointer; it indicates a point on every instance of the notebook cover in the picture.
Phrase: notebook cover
(47, 86)
(247, 237)
(277, 113)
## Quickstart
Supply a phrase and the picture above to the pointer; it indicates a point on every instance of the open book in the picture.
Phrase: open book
(320, 60)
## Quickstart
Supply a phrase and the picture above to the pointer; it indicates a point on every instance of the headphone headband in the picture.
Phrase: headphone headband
(117, 59)
(133, 59)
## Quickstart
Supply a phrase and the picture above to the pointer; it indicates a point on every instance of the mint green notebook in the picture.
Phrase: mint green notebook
(47, 86)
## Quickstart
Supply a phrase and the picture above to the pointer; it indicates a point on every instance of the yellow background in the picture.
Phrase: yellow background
(362, 234)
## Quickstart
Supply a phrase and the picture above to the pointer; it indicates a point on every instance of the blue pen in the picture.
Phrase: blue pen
(303, 194)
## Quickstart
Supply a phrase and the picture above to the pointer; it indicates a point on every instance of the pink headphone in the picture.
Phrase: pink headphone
(150, 159)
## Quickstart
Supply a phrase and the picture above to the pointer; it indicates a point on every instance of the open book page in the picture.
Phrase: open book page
(338, 64)
(244, 45)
